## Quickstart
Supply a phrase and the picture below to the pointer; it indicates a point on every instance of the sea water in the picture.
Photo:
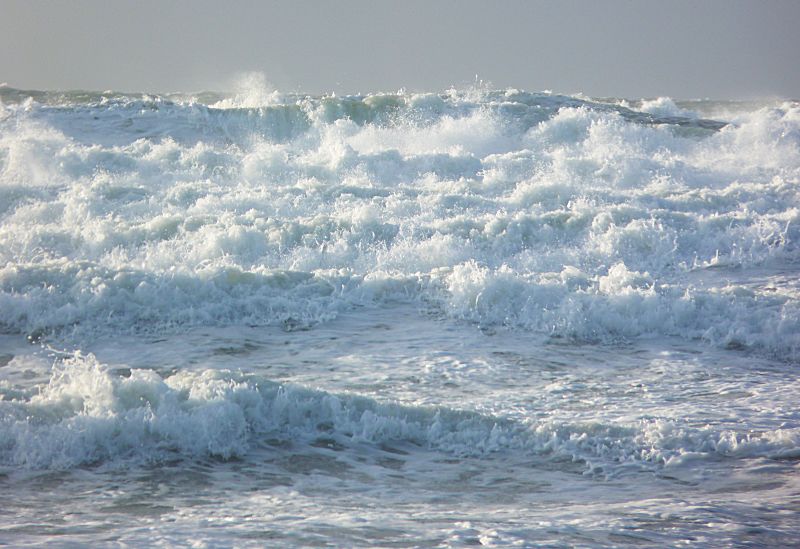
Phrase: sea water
(473, 317)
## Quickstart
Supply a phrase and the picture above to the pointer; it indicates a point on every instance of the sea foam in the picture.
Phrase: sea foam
(581, 219)
(88, 414)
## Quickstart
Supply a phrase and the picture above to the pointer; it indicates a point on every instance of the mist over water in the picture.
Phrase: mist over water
(499, 316)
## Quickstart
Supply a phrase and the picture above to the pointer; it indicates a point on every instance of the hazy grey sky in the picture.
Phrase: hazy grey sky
(685, 49)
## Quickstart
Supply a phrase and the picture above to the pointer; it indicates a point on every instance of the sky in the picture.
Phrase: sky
(723, 49)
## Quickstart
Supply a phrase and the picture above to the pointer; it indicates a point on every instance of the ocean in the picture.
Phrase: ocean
(472, 317)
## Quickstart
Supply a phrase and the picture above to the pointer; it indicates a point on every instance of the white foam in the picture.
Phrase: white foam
(162, 215)
(664, 106)
(87, 414)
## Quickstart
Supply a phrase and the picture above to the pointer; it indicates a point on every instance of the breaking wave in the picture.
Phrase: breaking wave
(88, 414)
(579, 218)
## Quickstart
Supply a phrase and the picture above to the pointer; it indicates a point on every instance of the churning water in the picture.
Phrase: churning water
(410, 319)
